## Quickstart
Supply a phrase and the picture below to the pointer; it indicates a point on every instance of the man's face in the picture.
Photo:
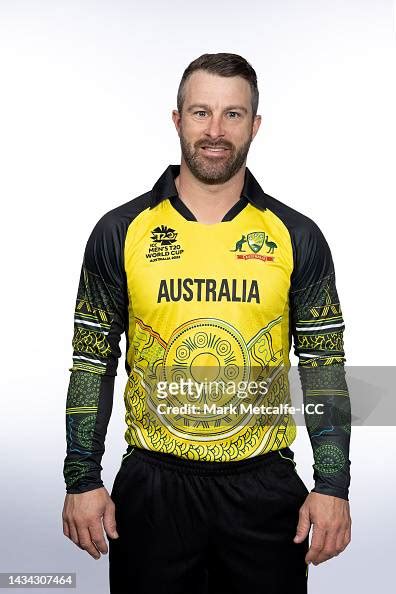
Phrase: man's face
(216, 126)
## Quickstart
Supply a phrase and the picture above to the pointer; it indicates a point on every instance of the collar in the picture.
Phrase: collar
(165, 187)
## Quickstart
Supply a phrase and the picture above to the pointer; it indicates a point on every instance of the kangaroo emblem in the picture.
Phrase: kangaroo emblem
(239, 244)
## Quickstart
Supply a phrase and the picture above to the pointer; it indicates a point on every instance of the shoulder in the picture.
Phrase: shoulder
(306, 236)
(105, 245)
(118, 219)
(311, 252)
(297, 223)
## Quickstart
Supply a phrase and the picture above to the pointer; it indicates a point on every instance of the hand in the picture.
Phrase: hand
(82, 515)
(331, 526)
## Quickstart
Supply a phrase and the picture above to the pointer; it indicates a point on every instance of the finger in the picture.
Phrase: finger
(329, 548)
(342, 541)
(97, 537)
(317, 542)
(66, 530)
(86, 542)
(347, 536)
(74, 534)
(109, 521)
(348, 533)
(303, 526)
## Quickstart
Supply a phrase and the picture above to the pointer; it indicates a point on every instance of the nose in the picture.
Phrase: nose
(215, 128)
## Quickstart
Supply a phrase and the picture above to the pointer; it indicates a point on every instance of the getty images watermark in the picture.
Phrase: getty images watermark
(240, 390)
(324, 396)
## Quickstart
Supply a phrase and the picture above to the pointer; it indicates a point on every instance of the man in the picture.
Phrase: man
(209, 277)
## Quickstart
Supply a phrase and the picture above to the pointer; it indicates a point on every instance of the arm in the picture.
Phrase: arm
(317, 327)
(99, 321)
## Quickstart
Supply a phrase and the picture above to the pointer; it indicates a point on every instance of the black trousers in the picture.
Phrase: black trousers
(196, 527)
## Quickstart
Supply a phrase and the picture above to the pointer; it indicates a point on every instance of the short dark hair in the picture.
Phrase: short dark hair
(222, 64)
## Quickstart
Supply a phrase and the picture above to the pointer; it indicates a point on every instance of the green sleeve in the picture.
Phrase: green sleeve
(99, 321)
(317, 326)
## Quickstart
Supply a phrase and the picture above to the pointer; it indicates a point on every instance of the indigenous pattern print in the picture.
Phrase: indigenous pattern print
(203, 305)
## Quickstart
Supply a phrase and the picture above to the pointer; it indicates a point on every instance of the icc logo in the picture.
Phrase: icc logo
(163, 235)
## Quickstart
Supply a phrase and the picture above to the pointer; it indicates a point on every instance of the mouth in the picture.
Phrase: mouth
(217, 151)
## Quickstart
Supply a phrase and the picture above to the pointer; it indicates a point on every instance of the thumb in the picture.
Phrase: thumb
(109, 522)
(303, 526)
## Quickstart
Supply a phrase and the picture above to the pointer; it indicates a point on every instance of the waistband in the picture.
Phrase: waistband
(174, 462)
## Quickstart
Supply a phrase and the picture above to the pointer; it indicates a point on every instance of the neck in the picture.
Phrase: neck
(208, 203)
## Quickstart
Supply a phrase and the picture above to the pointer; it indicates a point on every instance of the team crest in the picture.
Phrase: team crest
(256, 240)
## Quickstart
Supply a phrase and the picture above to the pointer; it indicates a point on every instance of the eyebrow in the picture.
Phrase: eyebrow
(228, 108)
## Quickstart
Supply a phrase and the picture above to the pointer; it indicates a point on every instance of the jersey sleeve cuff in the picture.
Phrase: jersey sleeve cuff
(333, 491)
(84, 488)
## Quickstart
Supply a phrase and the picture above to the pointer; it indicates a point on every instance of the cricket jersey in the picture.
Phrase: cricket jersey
(205, 306)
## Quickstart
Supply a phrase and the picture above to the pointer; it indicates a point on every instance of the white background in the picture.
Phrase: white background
(87, 90)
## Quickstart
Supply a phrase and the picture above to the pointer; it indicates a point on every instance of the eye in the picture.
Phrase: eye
(199, 112)
(235, 113)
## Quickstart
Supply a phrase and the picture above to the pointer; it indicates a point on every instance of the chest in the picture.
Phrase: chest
(179, 270)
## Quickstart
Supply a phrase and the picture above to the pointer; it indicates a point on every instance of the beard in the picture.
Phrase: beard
(213, 170)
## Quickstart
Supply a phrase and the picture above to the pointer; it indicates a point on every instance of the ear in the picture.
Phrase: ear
(176, 117)
(256, 125)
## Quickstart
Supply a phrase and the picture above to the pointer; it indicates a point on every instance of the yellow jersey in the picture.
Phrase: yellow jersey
(208, 312)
